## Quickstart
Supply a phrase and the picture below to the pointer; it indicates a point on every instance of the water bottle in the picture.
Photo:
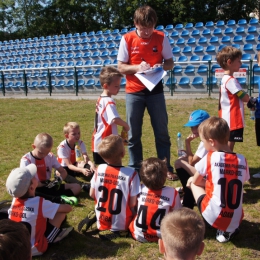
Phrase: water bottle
(180, 146)
(78, 153)
(252, 113)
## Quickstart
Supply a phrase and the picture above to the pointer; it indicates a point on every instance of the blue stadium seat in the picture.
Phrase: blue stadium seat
(87, 54)
(69, 35)
(198, 48)
(169, 83)
(242, 22)
(98, 62)
(93, 47)
(174, 34)
(255, 80)
(189, 69)
(242, 81)
(231, 23)
(253, 21)
(171, 41)
(246, 56)
(70, 73)
(79, 63)
(186, 49)
(202, 68)
(228, 30)
(225, 39)
(100, 39)
(202, 40)
(197, 81)
(189, 26)
(250, 38)
(85, 40)
(214, 67)
(76, 35)
(61, 73)
(199, 25)
(70, 56)
(98, 33)
(18, 84)
(180, 41)
(81, 83)
(258, 47)
(220, 23)
(195, 33)
(213, 39)
(206, 32)
(235, 45)
(90, 83)
(89, 73)
(118, 38)
(92, 33)
(34, 84)
(111, 45)
(115, 31)
(194, 58)
(252, 29)
(182, 58)
(107, 62)
(85, 47)
(179, 26)
(107, 32)
(211, 80)
(169, 27)
(177, 69)
(185, 33)
(97, 84)
(60, 84)
(240, 30)
(159, 27)
(95, 54)
(209, 24)
(191, 41)
(10, 84)
(97, 72)
(207, 57)
(93, 39)
(88, 63)
(70, 63)
(43, 84)
(109, 39)
(104, 54)
(211, 48)
(184, 81)
(256, 68)
(113, 53)
(176, 49)
(238, 38)
(123, 82)
(248, 47)
(123, 31)
(70, 83)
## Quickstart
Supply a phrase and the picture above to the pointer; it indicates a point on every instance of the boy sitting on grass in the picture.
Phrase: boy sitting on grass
(42, 217)
(154, 201)
(44, 160)
(182, 235)
(220, 197)
(114, 189)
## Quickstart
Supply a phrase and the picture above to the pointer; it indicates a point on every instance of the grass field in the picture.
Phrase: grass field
(21, 120)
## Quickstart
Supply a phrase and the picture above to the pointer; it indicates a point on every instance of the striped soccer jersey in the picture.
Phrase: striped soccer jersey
(105, 113)
(34, 211)
(44, 166)
(226, 173)
(231, 108)
(114, 186)
(152, 207)
(64, 151)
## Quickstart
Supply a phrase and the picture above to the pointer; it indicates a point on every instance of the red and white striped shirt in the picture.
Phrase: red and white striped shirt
(106, 112)
(114, 186)
(44, 166)
(34, 211)
(226, 173)
(231, 108)
(153, 205)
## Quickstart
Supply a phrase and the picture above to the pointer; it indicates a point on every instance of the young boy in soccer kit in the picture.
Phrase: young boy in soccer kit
(220, 197)
(42, 217)
(107, 118)
(184, 166)
(67, 155)
(114, 189)
(231, 98)
(45, 161)
(154, 201)
(182, 235)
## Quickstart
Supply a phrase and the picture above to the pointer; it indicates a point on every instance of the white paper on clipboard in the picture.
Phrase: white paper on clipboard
(152, 79)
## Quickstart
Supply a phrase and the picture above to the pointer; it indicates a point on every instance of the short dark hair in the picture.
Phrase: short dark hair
(15, 241)
(153, 173)
(145, 16)
(108, 74)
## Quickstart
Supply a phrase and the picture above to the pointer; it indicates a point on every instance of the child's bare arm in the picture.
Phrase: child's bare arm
(63, 173)
(119, 121)
(75, 168)
(92, 193)
(64, 208)
(133, 204)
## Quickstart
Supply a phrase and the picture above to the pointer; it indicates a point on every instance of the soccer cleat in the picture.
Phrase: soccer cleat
(85, 187)
(69, 200)
(88, 221)
(224, 237)
(257, 175)
(64, 232)
(110, 235)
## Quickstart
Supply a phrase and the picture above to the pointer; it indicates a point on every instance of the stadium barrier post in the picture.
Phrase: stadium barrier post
(25, 83)
(3, 82)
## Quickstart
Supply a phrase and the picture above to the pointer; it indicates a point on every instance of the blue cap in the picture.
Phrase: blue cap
(197, 117)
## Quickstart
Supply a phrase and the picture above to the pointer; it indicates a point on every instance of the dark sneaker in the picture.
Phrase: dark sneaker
(224, 237)
(69, 200)
(64, 232)
(85, 187)
(88, 221)
(110, 235)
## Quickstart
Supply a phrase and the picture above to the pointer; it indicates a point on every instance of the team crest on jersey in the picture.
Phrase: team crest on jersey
(155, 49)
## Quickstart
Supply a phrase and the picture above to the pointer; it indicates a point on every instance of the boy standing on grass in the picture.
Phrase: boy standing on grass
(154, 201)
(67, 155)
(114, 189)
(220, 197)
(182, 235)
(107, 118)
(44, 160)
(42, 217)
(231, 98)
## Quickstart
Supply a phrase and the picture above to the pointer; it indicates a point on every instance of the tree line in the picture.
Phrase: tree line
(34, 18)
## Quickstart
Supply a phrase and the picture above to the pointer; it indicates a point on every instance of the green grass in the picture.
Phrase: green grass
(22, 119)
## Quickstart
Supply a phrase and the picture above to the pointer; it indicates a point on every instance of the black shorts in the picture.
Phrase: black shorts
(51, 191)
(98, 159)
(236, 135)
(257, 131)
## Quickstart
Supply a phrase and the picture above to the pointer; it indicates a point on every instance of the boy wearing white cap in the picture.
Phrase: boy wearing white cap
(185, 165)
(42, 217)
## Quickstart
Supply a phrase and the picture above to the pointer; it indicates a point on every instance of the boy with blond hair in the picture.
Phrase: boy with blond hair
(107, 118)
(114, 189)
(154, 201)
(44, 160)
(67, 155)
(182, 235)
(219, 197)
(231, 107)
(42, 217)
